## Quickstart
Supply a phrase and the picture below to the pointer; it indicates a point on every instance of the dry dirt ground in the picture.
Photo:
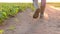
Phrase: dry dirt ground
(23, 23)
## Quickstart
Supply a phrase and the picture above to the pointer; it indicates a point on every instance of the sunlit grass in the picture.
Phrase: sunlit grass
(55, 4)
(23, 6)
(1, 31)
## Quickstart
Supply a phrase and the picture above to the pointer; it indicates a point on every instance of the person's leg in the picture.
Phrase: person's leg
(35, 3)
(43, 4)
(36, 14)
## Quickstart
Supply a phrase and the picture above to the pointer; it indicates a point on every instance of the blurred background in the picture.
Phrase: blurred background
(9, 8)
(26, 1)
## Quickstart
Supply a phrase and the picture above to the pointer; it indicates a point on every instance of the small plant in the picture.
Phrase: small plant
(1, 31)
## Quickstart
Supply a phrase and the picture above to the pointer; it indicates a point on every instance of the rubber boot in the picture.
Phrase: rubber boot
(36, 14)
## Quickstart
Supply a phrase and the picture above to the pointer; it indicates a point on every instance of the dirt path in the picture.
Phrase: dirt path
(23, 23)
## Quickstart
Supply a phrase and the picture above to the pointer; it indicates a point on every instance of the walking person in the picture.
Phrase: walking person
(39, 9)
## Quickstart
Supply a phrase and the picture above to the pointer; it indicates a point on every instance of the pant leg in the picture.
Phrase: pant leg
(36, 14)
(35, 3)
(43, 4)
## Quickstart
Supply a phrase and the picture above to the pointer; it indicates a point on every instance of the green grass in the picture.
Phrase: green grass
(22, 6)
(11, 9)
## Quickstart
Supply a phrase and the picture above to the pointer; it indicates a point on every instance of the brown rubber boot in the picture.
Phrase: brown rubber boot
(42, 11)
(36, 14)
